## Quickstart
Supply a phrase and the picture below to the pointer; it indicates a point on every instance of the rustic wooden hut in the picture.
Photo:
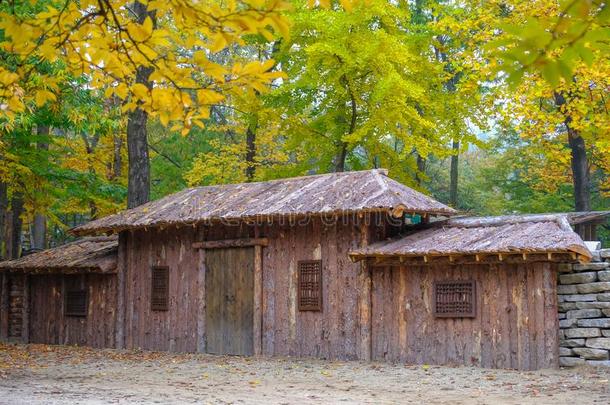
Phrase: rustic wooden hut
(65, 295)
(340, 266)
(479, 291)
(257, 268)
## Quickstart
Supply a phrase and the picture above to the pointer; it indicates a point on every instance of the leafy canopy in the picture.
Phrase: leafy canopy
(104, 42)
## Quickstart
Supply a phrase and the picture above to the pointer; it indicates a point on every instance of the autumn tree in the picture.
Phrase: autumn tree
(561, 100)
(153, 55)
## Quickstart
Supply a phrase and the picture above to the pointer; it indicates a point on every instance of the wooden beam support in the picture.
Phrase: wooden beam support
(4, 307)
(257, 312)
(229, 243)
(365, 299)
(121, 305)
(556, 257)
(25, 319)
(201, 294)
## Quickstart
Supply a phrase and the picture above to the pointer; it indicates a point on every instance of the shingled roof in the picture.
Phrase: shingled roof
(86, 255)
(504, 235)
(335, 193)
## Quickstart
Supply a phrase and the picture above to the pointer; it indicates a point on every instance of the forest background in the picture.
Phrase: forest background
(494, 107)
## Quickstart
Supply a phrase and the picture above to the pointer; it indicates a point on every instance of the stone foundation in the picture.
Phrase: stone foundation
(584, 312)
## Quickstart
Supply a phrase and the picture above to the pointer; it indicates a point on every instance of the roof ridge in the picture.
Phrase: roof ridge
(305, 176)
(488, 221)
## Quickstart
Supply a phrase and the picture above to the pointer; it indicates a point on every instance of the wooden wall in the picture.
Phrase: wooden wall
(174, 329)
(368, 313)
(13, 307)
(331, 334)
(516, 324)
(334, 333)
(47, 322)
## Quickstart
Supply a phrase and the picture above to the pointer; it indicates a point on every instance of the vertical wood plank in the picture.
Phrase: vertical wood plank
(201, 294)
(257, 312)
(268, 309)
(551, 321)
(120, 290)
(365, 301)
(4, 308)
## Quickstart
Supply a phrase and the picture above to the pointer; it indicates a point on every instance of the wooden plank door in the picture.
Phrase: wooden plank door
(229, 288)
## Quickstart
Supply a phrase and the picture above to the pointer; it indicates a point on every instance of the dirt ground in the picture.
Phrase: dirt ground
(36, 374)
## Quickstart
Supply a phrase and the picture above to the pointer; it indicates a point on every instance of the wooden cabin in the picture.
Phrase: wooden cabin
(351, 266)
(65, 295)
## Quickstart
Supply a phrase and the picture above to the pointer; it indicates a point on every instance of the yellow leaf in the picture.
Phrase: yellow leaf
(281, 24)
(164, 118)
(42, 96)
(147, 26)
(140, 32)
(121, 90)
(209, 96)
(140, 91)
(347, 5)
(252, 68)
(220, 42)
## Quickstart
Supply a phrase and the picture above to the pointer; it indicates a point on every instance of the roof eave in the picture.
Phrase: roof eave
(85, 230)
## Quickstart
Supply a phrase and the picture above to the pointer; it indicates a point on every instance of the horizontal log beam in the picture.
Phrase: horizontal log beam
(555, 257)
(229, 243)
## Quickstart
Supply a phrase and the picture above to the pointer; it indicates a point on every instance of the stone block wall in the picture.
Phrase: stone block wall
(584, 312)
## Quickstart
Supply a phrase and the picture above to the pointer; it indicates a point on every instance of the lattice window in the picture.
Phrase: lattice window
(159, 297)
(76, 303)
(455, 299)
(310, 285)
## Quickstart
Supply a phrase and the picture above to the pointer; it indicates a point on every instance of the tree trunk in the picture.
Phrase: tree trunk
(580, 172)
(342, 156)
(340, 159)
(580, 165)
(3, 214)
(138, 185)
(250, 152)
(15, 226)
(118, 159)
(421, 168)
(39, 227)
(453, 185)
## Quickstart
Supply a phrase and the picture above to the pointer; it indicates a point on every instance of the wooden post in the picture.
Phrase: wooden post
(120, 291)
(364, 299)
(4, 307)
(63, 336)
(257, 329)
(201, 296)
(25, 319)
(230, 243)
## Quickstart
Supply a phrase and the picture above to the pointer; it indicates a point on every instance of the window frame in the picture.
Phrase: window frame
(456, 314)
(157, 306)
(69, 312)
(318, 306)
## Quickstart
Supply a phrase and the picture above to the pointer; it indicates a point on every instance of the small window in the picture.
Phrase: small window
(76, 303)
(455, 299)
(310, 285)
(159, 296)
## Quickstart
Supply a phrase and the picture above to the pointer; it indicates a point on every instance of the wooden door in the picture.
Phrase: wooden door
(229, 288)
